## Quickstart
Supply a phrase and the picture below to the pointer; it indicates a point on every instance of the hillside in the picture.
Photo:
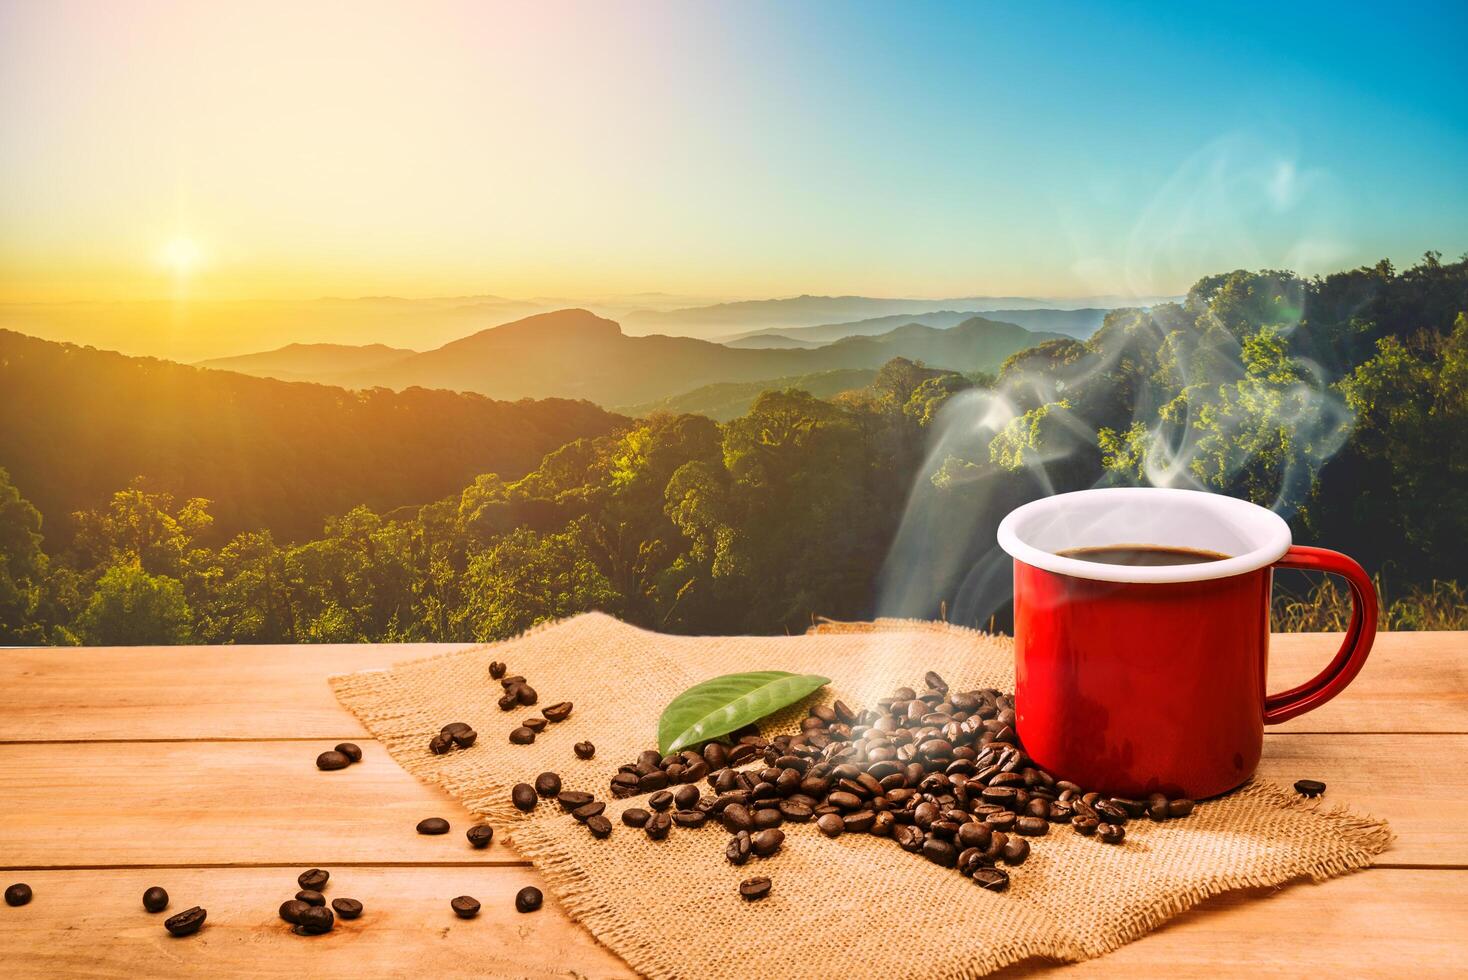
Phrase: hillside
(78, 423)
(295, 362)
(576, 354)
(1073, 323)
(728, 400)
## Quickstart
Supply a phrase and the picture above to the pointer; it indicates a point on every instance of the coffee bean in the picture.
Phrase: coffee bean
(658, 826)
(521, 736)
(547, 784)
(291, 911)
(1179, 808)
(559, 711)
(187, 922)
(155, 899)
(1133, 808)
(464, 737)
(1016, 849)
(935, 682)
(310, 896)
(736, 817)
(536, 725)
(739, 848)
(440, 744)
(528, 899)
(584, 750)
(766, 842)
(846, 801)
(17, 894)
(754, 889)
(1157, 807)
(346, 908)
(465, 907)
(570, 799)
(351, 750)
(974, 834)
(314, 879)
(860, 822)
(512, 682)
(326, 761)
(1111, 833)
(830, 824)
(526, 695)
(1309, 787)
(991, 879)
(636, 816)
(479, 836)
(509, 701)
(1110, 812)
(496, 669)
(939, 851)
(586, 811)
(795, 811)
(433, 826)
(767, 818)
(1085, 825)
(690, 818)
(661, 800)
(315, 921)
(686, 797)
(1031, 827)
(600, 826)
(524, 797)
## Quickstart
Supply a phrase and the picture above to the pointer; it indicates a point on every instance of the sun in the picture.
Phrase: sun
(181, 256)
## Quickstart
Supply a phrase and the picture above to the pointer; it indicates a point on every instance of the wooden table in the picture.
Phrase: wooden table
(193, 768)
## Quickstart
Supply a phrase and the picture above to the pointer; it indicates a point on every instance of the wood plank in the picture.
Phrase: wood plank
(149, 803)
(90, 923)
(1414, 682)
(178, 803)
(1380, 923)
(249, 692)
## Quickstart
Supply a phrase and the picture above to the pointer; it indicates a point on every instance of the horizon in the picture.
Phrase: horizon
(724, 154)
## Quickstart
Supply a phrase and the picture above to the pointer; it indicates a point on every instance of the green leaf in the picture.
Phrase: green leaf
(724, 704)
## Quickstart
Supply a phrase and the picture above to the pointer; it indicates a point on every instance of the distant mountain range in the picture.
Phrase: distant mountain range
(577, 354)
(305, 362)
(753, 316)
(1073, 323)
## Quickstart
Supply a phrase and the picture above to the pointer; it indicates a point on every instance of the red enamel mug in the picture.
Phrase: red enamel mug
(1133, 679)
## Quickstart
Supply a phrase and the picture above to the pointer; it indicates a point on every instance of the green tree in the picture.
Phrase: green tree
(129, 607)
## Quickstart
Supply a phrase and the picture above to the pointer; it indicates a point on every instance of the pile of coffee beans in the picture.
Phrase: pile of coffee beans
(456, 734)
(345, 754)
(941, 774)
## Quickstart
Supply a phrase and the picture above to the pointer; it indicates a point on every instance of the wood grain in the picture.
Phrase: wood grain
(91, 923)
(148, 803)
(1414, 682)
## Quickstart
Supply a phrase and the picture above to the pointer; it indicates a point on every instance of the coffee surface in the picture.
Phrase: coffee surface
(1127, 554)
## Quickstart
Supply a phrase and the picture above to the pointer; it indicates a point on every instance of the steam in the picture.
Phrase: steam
(1183, 396)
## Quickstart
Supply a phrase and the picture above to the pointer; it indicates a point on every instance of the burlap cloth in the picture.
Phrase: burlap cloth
(854, 906)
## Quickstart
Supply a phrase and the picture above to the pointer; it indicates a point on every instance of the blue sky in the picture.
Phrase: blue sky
(720, 150)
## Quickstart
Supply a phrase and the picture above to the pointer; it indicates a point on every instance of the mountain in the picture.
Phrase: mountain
(306, 361)
(77, 424)
(1073, 323)
(576, 354)
(731, 399)
(779, 341)
(779, 315)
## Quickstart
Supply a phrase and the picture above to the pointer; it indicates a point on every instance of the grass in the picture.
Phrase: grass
(1443, 605)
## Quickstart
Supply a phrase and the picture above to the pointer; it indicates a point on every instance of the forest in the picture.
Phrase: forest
(1341, 400)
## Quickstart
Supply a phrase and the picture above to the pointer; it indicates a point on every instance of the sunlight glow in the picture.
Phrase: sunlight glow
(181, 256)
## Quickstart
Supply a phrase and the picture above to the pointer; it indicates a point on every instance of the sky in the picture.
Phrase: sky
(289, 150)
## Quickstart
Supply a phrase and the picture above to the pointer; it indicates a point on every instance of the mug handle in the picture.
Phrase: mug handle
(1359, 635)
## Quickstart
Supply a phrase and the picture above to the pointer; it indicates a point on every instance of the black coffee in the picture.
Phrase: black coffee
(1129, 554)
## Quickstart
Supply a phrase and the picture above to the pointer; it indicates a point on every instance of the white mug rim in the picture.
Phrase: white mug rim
(1266, 530)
